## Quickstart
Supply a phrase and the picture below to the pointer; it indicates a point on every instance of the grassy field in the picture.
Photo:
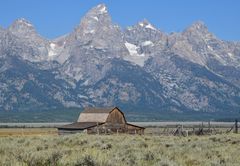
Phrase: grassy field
(44, 147)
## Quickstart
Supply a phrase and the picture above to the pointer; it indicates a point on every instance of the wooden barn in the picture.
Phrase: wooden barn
(101, 121)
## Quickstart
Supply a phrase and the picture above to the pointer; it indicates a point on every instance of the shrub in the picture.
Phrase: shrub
(148, 156)
(20, 141)
(106, 146)
(54, 157)
(165, 162)
(38, 148)
(143, 145)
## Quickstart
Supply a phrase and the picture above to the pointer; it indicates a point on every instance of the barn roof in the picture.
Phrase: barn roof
(135, 126)
(98, 110)
(79, 125)
(93, 117)
(99, 115)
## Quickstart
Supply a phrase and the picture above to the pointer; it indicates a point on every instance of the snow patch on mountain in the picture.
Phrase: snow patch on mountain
(147, 25)
(95, 18)
(141, 24)
(132, 49)
(52, 51)
(89, 31)
(147, 43)
(230, 55)
(82, 96)
(150, 27)
(210, 48)
(102, 8)
(135, 57)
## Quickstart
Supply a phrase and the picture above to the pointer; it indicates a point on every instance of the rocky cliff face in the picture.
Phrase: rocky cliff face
(99, 64)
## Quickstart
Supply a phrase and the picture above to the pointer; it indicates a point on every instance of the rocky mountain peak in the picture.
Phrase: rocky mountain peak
(22, 27)
(146, 24)
(35, 46)
(144, 35)
(197, 28)
(96, 28)
(99, 9)
(199, 25)
(97, 19)
(23, 21)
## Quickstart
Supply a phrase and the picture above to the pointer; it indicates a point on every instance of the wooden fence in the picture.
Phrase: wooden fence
(205, 128)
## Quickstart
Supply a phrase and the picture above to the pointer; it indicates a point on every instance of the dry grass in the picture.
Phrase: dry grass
(119, 150)
(27, 131)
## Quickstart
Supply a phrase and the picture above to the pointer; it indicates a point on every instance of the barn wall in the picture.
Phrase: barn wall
(134, 129)
(109, 128)
(116, 117)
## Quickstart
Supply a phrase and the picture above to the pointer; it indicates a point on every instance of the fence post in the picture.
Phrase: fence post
(209, 126)
(236, 126)
(97, 129)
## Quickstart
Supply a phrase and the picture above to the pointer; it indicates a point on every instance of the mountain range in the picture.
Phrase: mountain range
(100, 64)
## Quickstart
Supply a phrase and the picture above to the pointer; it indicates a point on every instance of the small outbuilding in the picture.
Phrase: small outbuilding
(101, 121)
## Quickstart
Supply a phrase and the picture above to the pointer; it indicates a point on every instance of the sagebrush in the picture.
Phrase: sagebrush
(119, 150)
